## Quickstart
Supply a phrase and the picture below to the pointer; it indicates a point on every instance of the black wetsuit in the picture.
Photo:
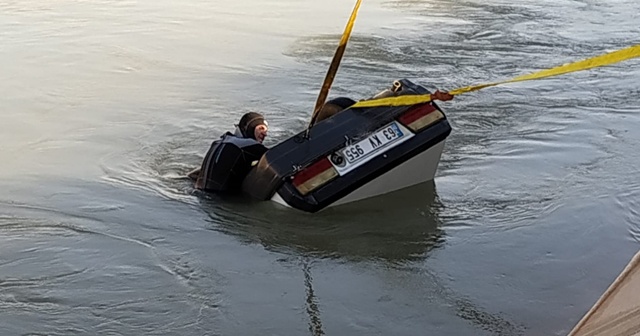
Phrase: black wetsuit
(228, 162)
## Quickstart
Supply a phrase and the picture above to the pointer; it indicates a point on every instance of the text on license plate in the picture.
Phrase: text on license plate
(373, 143)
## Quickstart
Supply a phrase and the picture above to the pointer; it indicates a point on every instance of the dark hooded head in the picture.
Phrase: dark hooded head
(333, 107)
(249, 122)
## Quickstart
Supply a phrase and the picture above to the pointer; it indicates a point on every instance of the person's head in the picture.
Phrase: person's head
(333, 106)
(252, 125)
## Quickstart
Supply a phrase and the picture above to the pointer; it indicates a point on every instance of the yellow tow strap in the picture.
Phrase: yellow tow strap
(335, 63)
(598, 61)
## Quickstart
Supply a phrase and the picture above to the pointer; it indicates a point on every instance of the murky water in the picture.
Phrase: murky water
(105, 105)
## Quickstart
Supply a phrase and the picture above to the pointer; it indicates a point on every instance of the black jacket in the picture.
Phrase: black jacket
(228, 162)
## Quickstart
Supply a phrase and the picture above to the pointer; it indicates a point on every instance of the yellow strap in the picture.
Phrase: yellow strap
(349, 27)
(598, 61)
(335, 62)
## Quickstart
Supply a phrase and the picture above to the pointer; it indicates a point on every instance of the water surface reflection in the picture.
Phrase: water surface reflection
(397, 227)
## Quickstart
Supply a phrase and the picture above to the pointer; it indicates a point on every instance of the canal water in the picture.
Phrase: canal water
(105, 105)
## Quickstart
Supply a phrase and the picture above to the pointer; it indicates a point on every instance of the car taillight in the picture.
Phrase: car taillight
(314, 176)
(420, 117)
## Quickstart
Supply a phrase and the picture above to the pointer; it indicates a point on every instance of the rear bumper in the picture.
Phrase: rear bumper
(344, 185)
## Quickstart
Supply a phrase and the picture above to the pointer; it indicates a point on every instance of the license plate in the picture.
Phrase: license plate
(357, 154)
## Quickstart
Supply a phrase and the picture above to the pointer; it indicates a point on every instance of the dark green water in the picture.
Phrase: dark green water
(105, 105)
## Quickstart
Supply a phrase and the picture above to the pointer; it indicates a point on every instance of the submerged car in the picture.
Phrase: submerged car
(358, 153)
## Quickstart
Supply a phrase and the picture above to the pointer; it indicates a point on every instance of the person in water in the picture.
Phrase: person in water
(231, 157)
(333, 106)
